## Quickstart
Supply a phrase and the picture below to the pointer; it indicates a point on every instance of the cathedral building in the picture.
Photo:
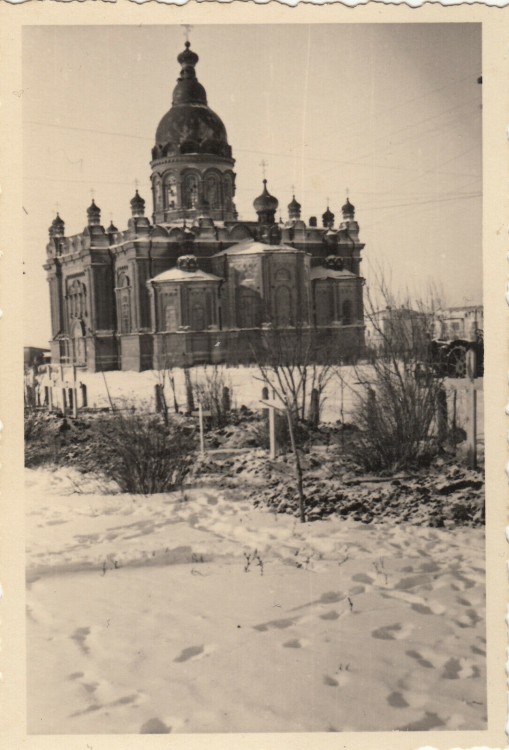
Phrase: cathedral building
(190, 284)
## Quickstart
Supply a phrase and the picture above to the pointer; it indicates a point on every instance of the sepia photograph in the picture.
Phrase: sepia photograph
(253, 332)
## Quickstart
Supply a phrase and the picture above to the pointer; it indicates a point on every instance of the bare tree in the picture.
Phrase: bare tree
(399, 397)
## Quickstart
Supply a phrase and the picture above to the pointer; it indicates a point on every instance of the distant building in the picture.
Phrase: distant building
(184, 286)
(399, 328)
(459, 322)
(34, 356)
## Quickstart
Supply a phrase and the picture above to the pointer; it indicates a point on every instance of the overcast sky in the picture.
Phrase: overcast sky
(390, 112)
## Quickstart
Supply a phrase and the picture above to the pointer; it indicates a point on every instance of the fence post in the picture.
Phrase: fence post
(314, 407)
(226, 400)
(159, 403)
(189, 390)
(265, 397)
(472, 426)
(442, 415)
(84, 397)
(272, 433)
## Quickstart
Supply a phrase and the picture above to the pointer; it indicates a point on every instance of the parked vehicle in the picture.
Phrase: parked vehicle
(458, 358)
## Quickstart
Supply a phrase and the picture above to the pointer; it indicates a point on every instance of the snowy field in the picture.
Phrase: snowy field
(155, 615)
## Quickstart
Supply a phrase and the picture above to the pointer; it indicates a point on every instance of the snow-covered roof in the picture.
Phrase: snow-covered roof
(320, 272)
(252, 247)
(177, 274)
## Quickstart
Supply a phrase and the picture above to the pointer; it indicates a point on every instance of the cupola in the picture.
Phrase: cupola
(294, 208)
(266, 206)
(57, 228)
(348, 210)
(328, 218)
(93, 214)
(190, 126)
(137, 205)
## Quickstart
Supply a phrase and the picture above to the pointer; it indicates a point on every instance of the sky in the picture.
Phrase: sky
(389, 114)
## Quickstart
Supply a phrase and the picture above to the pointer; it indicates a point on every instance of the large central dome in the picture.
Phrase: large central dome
(190, 126)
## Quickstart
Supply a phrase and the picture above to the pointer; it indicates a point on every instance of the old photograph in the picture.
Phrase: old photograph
(253, 378)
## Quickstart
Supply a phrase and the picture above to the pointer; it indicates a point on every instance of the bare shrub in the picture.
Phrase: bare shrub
(141, 453)
(214, 392)
(399, 395)
(40, 439)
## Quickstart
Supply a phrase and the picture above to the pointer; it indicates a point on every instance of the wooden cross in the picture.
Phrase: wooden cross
(57, 207)
(187, 29)
(200, 414)
(263, 164)
(92, 193)
(136, 184)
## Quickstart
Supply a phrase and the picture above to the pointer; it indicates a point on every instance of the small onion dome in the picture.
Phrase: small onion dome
(137, 205)
(265, 201)
(328, 218)
(187, 263)
(294, 209)
(112, 228)
(348, 209)
(93, 213)
(57, 227)
(187, 57)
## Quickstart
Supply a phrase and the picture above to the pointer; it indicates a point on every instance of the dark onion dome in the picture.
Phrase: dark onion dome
(57, 227)
(93, 213)
(348, 209)
(190, 126)
(112, 228)
(265, 201)
(137, 204)
(294, 208)
(187, 57)
(328, 217)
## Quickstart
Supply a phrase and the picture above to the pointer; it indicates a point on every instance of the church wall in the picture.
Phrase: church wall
(136, 352)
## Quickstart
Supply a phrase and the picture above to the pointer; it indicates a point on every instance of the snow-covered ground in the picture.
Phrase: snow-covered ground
(198, 613)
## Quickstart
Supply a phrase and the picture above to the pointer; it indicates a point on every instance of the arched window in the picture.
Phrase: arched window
(227, 190)
(346, 313)
(76, 300)
(323, 303)
(171, 191)
(157, 193)
(249, 308)
(191, 191)
(170, 311)
(283, 306)
(197, 317)
(124, 303)
(213, 191)
(78, 348)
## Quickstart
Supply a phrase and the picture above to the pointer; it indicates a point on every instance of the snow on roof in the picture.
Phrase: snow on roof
(252, 247)
(320, 272)
(177, 274)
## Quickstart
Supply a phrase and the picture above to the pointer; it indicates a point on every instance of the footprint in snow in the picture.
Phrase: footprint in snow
(294, 643)
(279, 624)
(396, 632)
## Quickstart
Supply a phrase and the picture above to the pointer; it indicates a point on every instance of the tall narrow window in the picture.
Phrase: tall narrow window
(346, 310)
(124, 303)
